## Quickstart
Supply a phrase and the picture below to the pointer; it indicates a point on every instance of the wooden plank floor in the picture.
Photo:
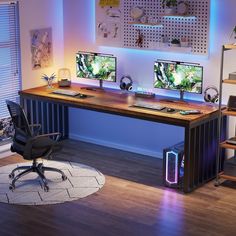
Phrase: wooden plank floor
(132, 202)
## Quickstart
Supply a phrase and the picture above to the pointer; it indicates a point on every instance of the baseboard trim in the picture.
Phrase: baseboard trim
(117, 146)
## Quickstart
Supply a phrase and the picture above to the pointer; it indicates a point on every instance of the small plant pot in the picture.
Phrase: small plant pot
(170, 10)
(175, 44)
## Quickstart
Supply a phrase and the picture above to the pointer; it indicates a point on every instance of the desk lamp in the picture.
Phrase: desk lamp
(64, 77)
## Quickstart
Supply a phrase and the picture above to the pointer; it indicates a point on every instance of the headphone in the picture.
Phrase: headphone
(211, 98)
(126, 85)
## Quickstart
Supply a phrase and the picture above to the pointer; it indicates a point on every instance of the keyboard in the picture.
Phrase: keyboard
(66, 92)
(148, 106)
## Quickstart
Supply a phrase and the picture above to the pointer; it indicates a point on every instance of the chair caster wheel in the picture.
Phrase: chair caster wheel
(64, 177)
(12, 187)
(45, 188)
(11, 176)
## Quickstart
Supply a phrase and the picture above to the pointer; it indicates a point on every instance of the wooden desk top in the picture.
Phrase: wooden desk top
(119, 102)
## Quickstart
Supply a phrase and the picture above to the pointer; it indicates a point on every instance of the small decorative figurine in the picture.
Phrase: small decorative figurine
(233, 34)
(139, 40)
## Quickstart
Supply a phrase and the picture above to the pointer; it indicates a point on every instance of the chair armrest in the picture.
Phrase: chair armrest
(35, 125)
(57, 134)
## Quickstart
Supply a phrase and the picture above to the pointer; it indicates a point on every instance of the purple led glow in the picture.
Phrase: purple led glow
(176, 167)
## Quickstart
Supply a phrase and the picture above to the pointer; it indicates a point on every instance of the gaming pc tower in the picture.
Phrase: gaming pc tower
(173, 165)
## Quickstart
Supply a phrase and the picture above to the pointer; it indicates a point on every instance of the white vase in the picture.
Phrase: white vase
(184, 44)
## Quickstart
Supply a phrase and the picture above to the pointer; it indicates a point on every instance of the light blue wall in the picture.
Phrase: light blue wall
(125, 133)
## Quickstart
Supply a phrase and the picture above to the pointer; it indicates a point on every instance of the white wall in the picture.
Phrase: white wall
(35, 14)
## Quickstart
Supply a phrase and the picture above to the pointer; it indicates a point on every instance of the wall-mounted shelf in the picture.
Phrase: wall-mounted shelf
(229, 46)
(229, 113)
(229, 81)
(146, 24)
(227, 177)
(227, 145)
(177, 16)
(174, 49)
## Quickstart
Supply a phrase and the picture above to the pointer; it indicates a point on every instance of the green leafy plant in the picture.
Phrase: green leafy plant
(169, 3)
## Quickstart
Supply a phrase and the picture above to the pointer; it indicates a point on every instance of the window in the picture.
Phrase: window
(10, 75)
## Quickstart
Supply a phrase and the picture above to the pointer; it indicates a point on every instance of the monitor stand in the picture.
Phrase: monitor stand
(177, 100)
(94, 88)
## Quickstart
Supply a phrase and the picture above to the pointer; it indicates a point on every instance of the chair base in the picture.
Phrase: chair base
(39, 169)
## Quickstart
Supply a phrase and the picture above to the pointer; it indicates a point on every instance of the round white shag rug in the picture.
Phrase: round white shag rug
(82, 181)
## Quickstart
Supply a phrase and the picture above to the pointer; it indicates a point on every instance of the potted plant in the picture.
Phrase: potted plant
(49, 79)
(175, 42)
(169, 6)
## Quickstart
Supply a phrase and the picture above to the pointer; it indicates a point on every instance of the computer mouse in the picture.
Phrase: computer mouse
(82, 95)
(170, 109)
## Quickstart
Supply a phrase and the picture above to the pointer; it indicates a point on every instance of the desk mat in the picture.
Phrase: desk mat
(164, 110)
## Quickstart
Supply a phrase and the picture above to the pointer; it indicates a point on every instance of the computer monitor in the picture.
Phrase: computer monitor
(96, 67)
(184, 77)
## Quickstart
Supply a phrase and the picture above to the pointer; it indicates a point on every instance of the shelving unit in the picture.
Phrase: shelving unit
(221, 163)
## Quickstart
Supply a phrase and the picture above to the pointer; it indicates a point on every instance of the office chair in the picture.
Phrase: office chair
(29, 144)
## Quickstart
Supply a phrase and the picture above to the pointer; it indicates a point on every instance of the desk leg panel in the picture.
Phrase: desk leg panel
(200, 154)
(53, 117)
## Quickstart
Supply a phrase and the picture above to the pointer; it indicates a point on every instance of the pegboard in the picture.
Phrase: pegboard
(195, 27)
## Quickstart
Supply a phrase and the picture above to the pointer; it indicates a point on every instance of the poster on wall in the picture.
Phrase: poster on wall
(41, 48)
(109, 22)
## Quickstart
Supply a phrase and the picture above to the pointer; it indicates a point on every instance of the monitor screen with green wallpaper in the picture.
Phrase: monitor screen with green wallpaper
(178, 76)
(95, 66)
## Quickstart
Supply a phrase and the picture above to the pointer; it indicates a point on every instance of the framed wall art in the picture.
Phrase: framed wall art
(41, 48)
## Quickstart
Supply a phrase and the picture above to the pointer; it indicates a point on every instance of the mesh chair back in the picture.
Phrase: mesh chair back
(21, 126)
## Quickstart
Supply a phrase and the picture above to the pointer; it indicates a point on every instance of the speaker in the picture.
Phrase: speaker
(126, 85)
(209, 97)
(173, 165)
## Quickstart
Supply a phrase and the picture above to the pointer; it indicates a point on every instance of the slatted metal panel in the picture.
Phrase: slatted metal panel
(53, 117)
(200, 167)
